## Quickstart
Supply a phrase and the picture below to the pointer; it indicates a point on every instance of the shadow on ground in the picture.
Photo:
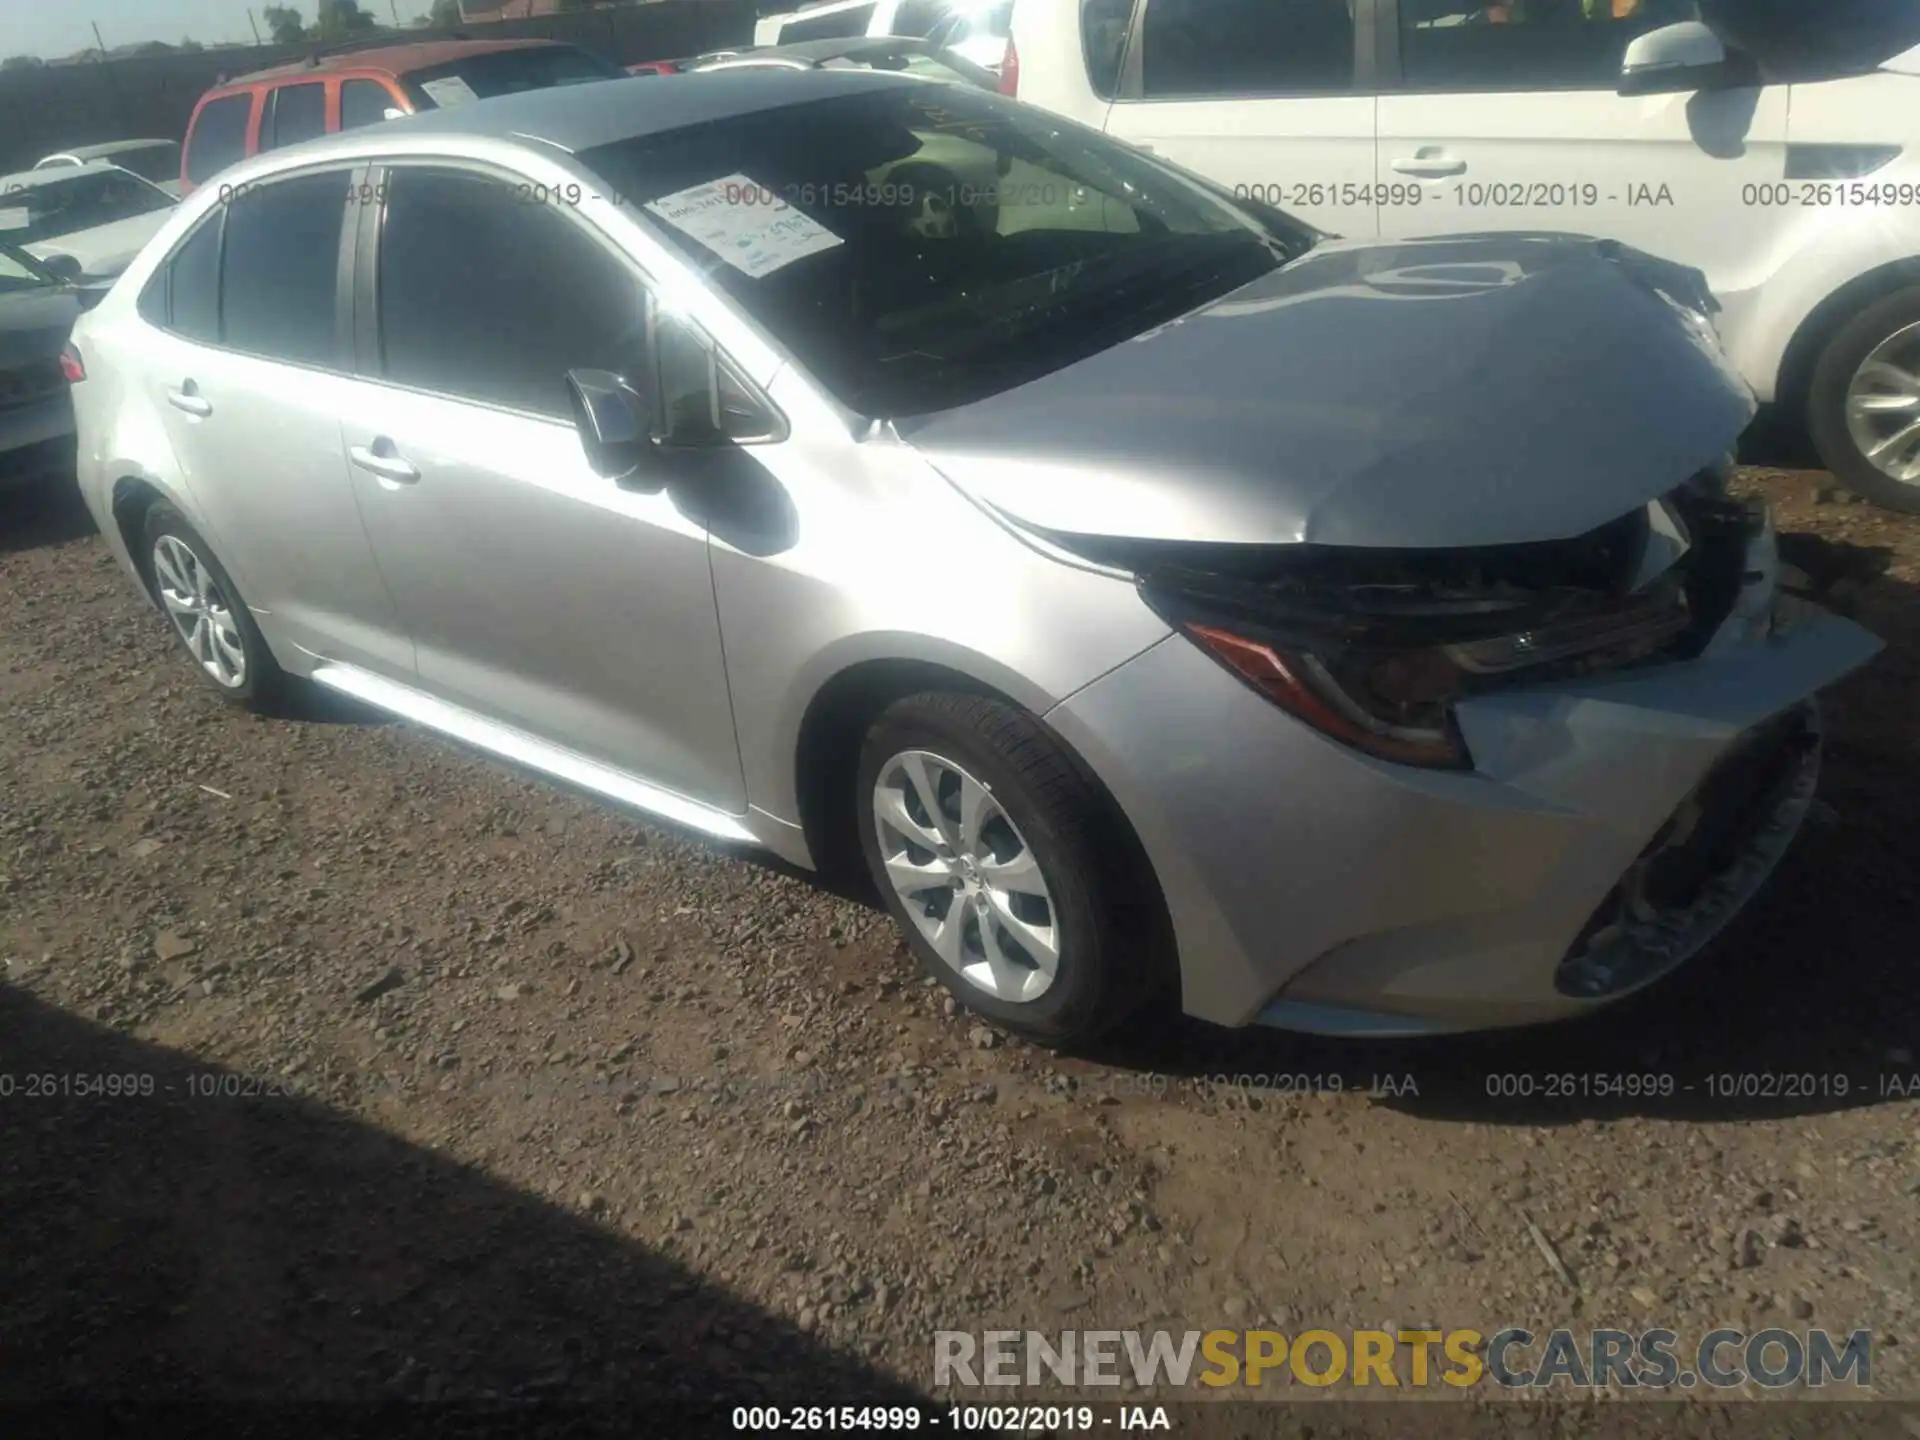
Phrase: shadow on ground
(185, 1245)
(48, 512)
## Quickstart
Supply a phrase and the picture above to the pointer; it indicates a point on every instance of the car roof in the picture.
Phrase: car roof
(387, 59)
(115, 147)
(604, 112)
(54, 175)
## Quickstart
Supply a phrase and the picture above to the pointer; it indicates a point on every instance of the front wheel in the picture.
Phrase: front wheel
(995, 855)
(1863, 407)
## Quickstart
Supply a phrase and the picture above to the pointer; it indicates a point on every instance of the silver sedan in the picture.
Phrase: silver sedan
(1155, 598)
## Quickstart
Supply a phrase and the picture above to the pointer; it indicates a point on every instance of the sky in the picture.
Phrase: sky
(60, 27)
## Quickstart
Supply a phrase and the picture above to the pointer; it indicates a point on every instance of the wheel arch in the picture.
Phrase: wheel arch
(827, 755)
(1826, 319)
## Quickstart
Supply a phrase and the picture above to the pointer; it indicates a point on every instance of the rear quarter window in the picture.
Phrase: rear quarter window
(219, 137)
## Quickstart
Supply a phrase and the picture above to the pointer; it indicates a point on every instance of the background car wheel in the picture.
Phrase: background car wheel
(208, 616)
(996, 856)
(1863, 407)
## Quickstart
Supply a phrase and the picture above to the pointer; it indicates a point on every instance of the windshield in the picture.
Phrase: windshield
(151, 162)
(922, 246)
(21, 272)
(506, 72)
(48, 209)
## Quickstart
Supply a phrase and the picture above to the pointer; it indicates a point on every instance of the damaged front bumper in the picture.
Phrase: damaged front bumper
(1611, 826)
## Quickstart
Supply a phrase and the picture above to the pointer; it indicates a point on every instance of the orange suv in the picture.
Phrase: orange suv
(271, 109)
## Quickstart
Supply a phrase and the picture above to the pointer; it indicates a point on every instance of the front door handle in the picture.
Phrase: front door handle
(189, 400)
(1429, 167)
(380, 459)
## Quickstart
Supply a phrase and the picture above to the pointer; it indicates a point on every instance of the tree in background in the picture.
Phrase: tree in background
(446, 15)
(342, 20)
(189, 47)
(284, 24)
(22, 62)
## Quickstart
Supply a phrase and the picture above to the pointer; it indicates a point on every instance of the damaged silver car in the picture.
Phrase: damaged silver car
(1152, 596)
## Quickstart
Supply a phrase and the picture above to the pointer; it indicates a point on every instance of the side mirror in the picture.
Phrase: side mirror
(1679, 58)
(65, 268)
(611, 420)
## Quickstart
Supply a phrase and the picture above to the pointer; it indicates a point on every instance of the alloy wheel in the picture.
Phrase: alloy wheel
(1883, 406)
(200, 611)
(966, 877)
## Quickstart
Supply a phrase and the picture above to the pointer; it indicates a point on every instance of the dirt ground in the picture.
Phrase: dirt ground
(464, 1086)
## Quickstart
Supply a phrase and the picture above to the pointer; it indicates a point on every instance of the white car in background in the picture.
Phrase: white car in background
(975, 30)
(1770, 145)
(155, 160)
(87, 222)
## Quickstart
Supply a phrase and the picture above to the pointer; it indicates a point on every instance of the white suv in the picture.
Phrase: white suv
(1770, 143)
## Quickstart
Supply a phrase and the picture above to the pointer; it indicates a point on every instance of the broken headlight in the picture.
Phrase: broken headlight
(1375, 649)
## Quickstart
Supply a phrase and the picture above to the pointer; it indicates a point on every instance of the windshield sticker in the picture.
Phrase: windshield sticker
(449, 90)
(745, 224)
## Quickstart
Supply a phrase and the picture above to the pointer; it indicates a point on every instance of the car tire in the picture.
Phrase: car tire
(1887, 330)
(208, 617)
(1032, 856)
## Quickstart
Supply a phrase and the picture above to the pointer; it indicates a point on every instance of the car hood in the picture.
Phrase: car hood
(34, 324)
(1475, 390)
(108, 249)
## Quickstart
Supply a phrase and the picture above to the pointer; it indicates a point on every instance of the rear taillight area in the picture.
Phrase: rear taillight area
(1010, 71)
(72, 366)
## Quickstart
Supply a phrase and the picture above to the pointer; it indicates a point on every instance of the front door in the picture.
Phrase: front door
(539, 594)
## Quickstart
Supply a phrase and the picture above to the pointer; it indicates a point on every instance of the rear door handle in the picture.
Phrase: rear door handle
(188, 399)
(388, 466)
(1429, 168)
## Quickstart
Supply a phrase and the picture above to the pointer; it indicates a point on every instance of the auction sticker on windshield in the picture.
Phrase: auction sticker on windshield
(449, 90)
(745, 224)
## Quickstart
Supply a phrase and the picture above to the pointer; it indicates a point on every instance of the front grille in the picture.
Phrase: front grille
(35, 380)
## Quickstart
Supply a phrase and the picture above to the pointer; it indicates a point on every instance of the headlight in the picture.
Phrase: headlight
(1381, 668)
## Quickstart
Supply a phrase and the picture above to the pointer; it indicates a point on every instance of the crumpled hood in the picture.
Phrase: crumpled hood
(34, 324)
(1474, 390)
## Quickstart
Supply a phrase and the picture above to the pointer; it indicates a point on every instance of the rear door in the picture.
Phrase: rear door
(1269, 97)
(250, 353)
(1513, 123)
(293, 113)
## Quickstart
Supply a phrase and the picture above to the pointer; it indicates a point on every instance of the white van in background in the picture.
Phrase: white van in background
(1772, 144)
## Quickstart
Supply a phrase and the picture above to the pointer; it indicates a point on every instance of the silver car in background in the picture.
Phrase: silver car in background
(1155, 597)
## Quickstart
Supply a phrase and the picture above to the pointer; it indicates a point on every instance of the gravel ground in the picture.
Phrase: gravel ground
(550, 1102)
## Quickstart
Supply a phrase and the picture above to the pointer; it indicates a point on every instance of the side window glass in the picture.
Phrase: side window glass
(299, 113)
(1526, 44)
(1246, 47)
(192, 289)
(363, 102)
(1103, 35)
(280, 275)
(219, 136)
(488, 298)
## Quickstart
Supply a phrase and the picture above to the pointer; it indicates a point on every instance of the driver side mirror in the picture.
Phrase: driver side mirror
(1676, 59)
(612, 422)
(65, 268)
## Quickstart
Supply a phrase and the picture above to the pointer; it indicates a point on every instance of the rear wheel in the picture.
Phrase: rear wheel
(994, 853)
(209, 618)
(1863, 407)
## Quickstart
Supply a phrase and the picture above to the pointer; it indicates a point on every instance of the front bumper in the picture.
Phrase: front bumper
(1315, 888)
